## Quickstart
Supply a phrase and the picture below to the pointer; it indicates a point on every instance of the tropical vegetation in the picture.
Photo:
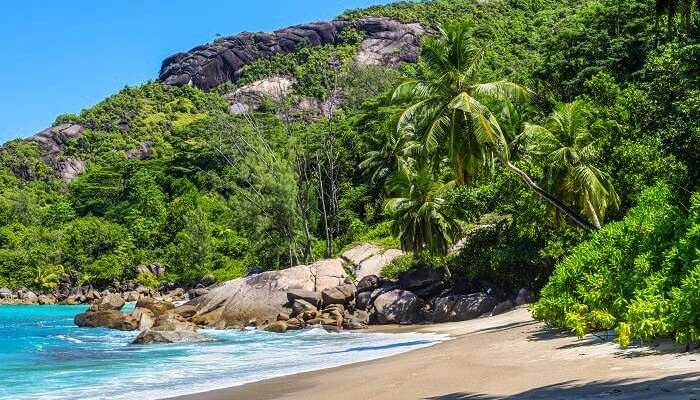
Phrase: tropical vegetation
(556, 141)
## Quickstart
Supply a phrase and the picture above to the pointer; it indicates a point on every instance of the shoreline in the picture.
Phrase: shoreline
(505, 356)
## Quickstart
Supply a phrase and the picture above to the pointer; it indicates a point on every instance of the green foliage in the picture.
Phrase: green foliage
(172, 178)
(409, 262)
(638, 275)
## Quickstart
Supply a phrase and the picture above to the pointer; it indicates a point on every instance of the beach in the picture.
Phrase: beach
(506, 356)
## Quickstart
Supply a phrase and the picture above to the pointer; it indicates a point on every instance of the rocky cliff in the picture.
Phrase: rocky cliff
(384, 41)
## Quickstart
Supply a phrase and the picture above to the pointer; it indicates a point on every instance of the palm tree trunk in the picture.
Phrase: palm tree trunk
(594, 214)
(544, 195)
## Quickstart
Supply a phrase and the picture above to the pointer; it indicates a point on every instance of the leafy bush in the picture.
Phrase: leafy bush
(638, 275)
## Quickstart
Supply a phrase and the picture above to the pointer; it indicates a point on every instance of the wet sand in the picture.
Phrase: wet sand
(508, 356)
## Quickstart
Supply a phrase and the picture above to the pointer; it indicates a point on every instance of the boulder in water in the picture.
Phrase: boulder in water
(277, 327)
(111, 319)
(109, 302)
(155, 337)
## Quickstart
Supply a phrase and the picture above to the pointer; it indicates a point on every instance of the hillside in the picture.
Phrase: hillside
(268, 150)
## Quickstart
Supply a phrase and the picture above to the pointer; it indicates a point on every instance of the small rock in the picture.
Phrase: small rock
(525, 297)
(283, 317)
(154, 337)
(45, 299)
(6, 293)
(144, 317)
(294, 324)
(172, 322)
(277, 327)
(303, 307)
(502, 307)
(198, 292)
(332, 328)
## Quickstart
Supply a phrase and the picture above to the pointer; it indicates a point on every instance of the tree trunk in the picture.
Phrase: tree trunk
(544, 195)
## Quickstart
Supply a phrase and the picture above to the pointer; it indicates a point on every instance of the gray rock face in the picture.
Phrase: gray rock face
(263, 296)
(462, 307)
(309, 296)
(357, 320)
(54, 139)
(395, 307)
(374, 264)
(385, 41)
(6, 293)
(162, 337)
(362, 300)
(368, 283)
(422, 281)
(144, 318)
(249, 97)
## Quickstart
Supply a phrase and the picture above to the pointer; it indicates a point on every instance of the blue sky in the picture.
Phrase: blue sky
(60, 56)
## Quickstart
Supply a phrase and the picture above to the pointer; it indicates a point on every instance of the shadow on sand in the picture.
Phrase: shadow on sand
(684, 386)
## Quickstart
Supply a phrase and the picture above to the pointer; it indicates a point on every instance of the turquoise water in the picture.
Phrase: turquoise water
(44, 356)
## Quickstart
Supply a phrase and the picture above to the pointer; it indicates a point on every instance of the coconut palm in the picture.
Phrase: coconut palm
(420, 217)
(391, 147)
(447, 111)
(569, 149)
(445, 102)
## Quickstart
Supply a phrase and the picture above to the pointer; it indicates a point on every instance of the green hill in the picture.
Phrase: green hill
(236, 159)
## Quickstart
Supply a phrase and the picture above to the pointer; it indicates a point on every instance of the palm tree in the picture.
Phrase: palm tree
(450, 118)
(445, 101)
(391, 147)
(569, 149)
(420, 217)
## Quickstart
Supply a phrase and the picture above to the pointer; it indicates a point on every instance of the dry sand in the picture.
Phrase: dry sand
(508, 356)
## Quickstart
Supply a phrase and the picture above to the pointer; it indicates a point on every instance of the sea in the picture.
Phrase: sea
(43, 355)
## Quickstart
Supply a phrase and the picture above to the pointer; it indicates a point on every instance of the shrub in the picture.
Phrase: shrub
(640, 275)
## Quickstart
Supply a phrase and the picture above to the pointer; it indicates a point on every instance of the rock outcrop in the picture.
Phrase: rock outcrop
(207, 66)
(369, 259)
(53, 140)
(462, 307)
(396, 307)
(263, 296)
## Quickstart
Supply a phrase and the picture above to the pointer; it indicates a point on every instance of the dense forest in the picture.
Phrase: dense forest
(560, 139)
